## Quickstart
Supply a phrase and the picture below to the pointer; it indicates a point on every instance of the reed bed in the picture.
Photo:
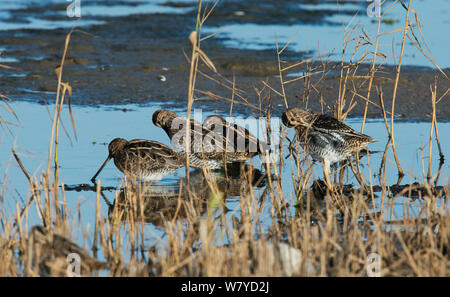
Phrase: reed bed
(317, 231)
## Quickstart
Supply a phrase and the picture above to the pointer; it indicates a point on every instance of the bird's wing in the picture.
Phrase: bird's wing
(329, 124)
(249, 138)
(153, 151)
(234, 135)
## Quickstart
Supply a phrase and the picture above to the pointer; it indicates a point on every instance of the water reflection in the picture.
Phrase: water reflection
(79, 160)
(156, 203)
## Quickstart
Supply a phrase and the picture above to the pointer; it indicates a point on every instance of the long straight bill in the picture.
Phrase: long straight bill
(101, 168)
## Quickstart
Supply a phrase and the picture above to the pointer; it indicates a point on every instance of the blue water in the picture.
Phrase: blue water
(80, 158)
(88, 9)
(325, 39)
(96, 127)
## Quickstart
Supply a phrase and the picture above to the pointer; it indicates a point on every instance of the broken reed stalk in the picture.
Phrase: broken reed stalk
(97, 220)
(34, 188)
(433, 121)
(394, 93)
(441, 155)
(66, 88)
(382, 171)
(194, 38)
(280, 73)
(383, 109)
(54, 137)
(59, 71)
(8, 109)
(197, 53)
(340, 104)
(372, 73)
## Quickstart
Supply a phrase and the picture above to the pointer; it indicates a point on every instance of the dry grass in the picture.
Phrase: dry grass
(316, 232)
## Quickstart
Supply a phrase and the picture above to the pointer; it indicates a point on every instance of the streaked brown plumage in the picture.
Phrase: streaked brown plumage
(53, 251)
(324, 137)
(144, 159)
(209, 145)
(238, 139)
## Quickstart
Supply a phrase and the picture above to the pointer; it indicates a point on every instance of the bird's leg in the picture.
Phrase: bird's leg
(291, 144)
(290, 147)
(326, 173)
(333, 174)
(108, 203)
(341, 172)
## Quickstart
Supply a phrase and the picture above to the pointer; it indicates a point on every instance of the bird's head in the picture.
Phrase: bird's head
(163, 118)
(116, 145)
(294, 117)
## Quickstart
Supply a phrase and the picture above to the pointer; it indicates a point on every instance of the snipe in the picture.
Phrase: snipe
(212, 144)
(143, 159)
(241, 144)
(324, 137)
(52, 251)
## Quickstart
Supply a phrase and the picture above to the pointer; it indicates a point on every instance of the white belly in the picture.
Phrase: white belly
(330, 155)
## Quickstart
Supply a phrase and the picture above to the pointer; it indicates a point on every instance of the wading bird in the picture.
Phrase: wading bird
(143, 159)
(324, 137)
(211, 145)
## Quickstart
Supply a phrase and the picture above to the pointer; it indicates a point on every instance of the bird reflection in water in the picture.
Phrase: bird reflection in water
(156, 203)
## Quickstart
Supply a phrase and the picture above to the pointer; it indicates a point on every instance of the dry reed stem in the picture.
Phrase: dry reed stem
(433, 121)
(57, 101)
(394, 93)
(372, 74)
(333, 240)
(280, 72)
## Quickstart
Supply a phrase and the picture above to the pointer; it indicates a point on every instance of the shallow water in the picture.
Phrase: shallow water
(88, 9)
(96, 126)
(79, 159)
(325, 36)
